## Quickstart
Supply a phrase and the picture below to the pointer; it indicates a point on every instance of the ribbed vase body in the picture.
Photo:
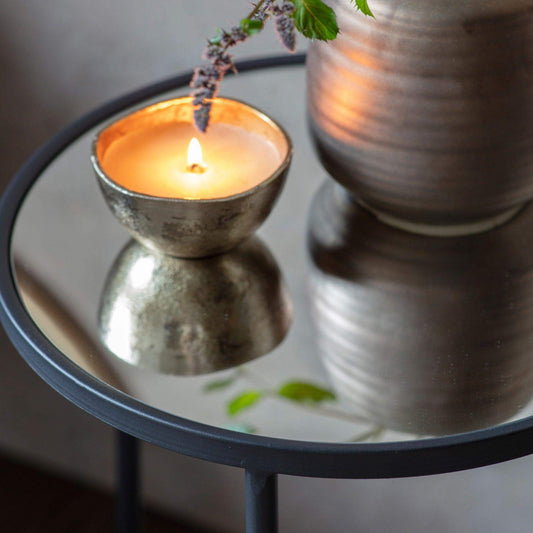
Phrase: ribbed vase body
(426, 112)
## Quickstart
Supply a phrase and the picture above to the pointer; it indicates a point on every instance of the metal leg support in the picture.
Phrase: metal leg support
(261, 502)
(127, 510)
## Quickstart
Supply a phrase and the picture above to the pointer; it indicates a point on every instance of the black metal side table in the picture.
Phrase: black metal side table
(54, 225)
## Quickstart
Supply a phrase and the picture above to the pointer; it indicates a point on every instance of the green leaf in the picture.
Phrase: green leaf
(251, 27)
(219, 384)
(244, 401)
(217, 38)
(315, 20)
(299, 391)
(362, 5)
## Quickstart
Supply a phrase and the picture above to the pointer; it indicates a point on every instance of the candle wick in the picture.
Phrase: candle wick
(196, 168)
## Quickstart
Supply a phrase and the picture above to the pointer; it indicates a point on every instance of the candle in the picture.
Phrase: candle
(191, 199)
(152, 159)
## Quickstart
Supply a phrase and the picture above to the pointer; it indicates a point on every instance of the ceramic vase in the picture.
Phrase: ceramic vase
(425, 113)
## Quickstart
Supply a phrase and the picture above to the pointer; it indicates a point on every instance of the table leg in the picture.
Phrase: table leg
(261, 502)
(127, 507)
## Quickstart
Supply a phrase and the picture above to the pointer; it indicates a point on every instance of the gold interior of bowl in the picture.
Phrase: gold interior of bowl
(224, 110)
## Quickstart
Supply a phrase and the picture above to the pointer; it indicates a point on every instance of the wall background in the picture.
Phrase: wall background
(59, 59)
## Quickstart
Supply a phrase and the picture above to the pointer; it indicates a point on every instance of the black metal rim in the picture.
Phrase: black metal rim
(387, 460)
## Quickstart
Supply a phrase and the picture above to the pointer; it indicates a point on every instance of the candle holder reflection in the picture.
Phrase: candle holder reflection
(422, 334)
(189, 209)
(188, 317)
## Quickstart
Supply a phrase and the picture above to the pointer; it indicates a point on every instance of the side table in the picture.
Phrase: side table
(55, 225)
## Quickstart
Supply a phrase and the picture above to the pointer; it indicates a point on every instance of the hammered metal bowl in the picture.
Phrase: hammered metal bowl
(422, 334)
(187, 317)
(193, 228)
(425, 113)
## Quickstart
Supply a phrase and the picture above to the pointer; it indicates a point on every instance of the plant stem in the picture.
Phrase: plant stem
(373, 432)
(256, 9)
(252, 14)
(326, 411)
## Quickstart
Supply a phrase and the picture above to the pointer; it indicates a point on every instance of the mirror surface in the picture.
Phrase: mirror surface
(394, 336)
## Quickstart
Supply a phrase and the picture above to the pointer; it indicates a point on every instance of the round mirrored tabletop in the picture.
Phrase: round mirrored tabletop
(394, 355)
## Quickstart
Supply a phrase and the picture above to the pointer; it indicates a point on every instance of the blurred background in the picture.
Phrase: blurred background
(58, 60)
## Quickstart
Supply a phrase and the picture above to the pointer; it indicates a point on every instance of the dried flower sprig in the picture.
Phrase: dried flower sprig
(312, 18)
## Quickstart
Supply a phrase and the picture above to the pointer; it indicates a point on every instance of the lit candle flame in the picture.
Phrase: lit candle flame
(195, 162)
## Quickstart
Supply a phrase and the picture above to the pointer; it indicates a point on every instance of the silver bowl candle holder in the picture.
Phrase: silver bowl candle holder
(184, 317)
(192, 228)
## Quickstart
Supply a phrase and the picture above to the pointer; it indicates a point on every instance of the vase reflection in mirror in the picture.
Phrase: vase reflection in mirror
(422, 334)
(188, 317)
(423, 308)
